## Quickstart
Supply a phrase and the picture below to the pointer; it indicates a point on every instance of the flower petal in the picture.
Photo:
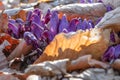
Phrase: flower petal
(37, 12)
(109, 7)
(90, 1)
(117, 51)
(31, 39)
(84, 24)
(54, 22)
(64, 24)
(109, 54)
(36, 30)
(79, 25)
(112, 36)
(73, 25)
(19, 20)
(90, 24)
(29, 13)
(13, 30)
(47, 16)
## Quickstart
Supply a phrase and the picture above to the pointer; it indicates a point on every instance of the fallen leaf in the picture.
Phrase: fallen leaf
(90, 11)
(21, 49)
(52, 68)
(21, 14)
(3, 22)
(3, 60)
(116, 64)
(85, 62)
(48, 68)
(8, 77)
(75, 44)
(12, 73)
(111, 20)
(13, 43)
(98, 74)
(2, 7)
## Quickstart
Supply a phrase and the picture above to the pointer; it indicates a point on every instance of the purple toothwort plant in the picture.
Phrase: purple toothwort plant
(112, 53)
(42, 29)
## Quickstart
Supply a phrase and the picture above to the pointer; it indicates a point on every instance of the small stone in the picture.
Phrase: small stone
(117, 78)
(33, 77)
(65, 79)
(75, 79)
(74, 73)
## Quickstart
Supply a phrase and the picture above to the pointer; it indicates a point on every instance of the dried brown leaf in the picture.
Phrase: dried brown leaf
(89, 11)
(3, 60)
(74, 45)
(85, 62)
(48, 68)
(8, 77)
(21, 49)
(3, 22)
(111, 20)
(21, 14)
(13, 43)
(116, 64)
(2, 7)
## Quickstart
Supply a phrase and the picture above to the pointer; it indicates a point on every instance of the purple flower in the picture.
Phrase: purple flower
(90, 24)
(12, 21)
(13, 30)
(37, 12)
(28, 17)
(84, 24)
(64, 24)
(36, 19)
(47, 17)
(21, 30)
(112, 36)
(79, 25)
(109, 7)
(54, 23)
(19, 21)
(73, 25)
(100, 1)
(47, 36)
(109, 54)
(112, 53)
(36, 30)
(90, 1)
(117, 51)
(31, 39)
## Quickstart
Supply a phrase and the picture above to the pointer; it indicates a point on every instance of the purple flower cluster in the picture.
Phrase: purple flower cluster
(112, 53)
(38, 28)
